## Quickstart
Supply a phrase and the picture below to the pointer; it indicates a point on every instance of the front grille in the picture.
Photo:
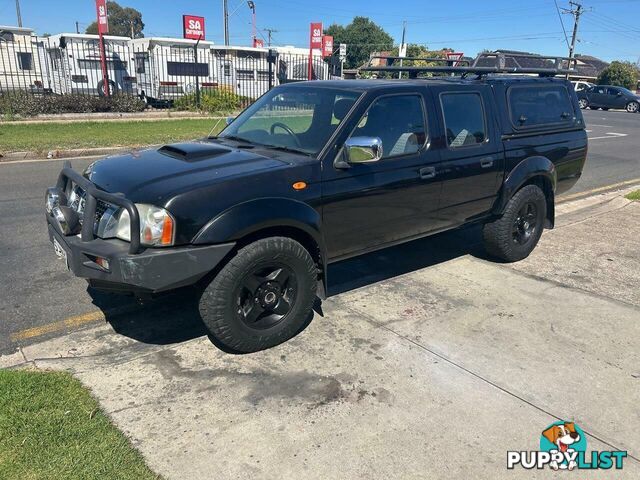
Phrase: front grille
(77, 200)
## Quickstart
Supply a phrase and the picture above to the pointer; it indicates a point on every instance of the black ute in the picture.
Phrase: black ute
(315, 172)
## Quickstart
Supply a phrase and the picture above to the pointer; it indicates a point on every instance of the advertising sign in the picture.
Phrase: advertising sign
(327, 45)
(258, 43)
(193, 27)
(315, 36)
(103, 22)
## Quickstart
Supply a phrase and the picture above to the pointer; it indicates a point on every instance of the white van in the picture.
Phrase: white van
(75, 65)
(166, 68)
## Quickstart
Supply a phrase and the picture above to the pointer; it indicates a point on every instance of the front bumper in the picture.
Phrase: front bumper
(130, 267)
(153, 270)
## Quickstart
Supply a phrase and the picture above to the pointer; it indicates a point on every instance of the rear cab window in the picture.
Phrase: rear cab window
(533, 106)
(464, 119)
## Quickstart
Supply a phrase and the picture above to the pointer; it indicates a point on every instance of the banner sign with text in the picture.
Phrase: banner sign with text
(193, 27)
(327, 45)
(103, 21)
(315, 36)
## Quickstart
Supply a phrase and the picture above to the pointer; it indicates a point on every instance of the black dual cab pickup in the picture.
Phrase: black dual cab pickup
(315, 172)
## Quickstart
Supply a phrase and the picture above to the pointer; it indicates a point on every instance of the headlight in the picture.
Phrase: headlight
(157, 226)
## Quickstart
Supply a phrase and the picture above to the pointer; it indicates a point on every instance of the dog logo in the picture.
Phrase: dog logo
(565, 439)
(563, 446)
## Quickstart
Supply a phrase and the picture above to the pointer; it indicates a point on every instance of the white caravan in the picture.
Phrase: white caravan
(22, 62)
(293, 64)
(166, 68)
(243, 70)
(75, 65)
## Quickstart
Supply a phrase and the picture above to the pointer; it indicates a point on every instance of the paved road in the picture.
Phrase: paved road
(39, 299)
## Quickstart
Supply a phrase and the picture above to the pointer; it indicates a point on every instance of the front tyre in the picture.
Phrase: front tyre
(633, 107)
(513, 236)
(262, 297)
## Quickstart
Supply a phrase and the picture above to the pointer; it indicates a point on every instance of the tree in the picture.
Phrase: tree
(363, 37)
(124, 22)
(621, 74)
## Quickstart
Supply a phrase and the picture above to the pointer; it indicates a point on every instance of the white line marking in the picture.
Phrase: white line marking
(602, 126)
(610, 135)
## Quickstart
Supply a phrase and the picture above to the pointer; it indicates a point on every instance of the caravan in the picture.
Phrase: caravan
(293, 64)
(243, 70)
(75, 65)
(167, 68)
(23, 65)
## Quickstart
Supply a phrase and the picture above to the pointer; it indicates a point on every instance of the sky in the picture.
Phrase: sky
(609, 29)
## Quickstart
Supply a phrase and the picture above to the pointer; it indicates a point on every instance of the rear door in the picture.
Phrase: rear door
(598, 97)
(472, 155)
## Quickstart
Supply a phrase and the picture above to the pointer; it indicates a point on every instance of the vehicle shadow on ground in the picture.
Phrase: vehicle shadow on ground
(174, 318)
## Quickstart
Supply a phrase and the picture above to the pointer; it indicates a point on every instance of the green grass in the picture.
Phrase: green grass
(51, 428)
(635, 196)
(43, 137)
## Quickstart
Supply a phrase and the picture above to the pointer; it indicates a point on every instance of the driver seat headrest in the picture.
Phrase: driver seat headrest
(342, 107)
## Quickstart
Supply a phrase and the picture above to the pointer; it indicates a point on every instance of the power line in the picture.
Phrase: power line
(562, 23)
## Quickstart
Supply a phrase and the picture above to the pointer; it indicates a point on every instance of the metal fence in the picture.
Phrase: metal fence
(162, 72)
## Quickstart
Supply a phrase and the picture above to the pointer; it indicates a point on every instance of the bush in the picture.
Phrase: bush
(213, 101)
(621, 74)
(26, 104)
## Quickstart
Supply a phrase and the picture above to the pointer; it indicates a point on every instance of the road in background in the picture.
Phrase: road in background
(40, 299)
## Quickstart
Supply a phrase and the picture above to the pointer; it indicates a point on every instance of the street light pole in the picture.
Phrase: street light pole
(18, 13)
(225, 14)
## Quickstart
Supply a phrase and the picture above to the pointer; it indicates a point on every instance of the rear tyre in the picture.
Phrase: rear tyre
(262, 297)
(583, 103)
(593, 108)
(633, 107)
(513, 236)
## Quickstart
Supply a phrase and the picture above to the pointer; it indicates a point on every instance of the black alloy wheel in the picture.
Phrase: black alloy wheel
(525, 224)
(266, 295)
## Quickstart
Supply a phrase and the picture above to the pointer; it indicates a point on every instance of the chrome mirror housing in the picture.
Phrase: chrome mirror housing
(363, 150)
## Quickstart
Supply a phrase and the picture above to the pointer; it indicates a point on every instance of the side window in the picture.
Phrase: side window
(534, 106)
(25, 61)
(464, 119)
(613, 91)
(398, 121)
(600, 90)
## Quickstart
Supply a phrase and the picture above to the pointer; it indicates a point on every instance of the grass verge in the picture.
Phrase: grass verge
(635, 196)
(51, 427)
(44, 137)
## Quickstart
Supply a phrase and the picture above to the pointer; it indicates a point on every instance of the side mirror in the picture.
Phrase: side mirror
(229, 120)
(363, 150)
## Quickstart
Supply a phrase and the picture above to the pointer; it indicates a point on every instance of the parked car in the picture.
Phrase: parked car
(313, 173)
(580, 85)
(607, 96)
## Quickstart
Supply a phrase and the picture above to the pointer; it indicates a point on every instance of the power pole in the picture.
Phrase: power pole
(577, 13)
(225, 15)
(18, 13)
(269, 32)
(77, 27)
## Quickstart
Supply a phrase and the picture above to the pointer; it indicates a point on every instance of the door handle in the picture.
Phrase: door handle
(486, 163)
(427, 173)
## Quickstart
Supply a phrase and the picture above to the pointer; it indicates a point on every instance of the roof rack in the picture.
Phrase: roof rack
(484, 64)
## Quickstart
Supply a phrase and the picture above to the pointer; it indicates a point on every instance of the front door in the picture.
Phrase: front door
(615, 98)
(472, 156)
(367, 206)
(598, 97)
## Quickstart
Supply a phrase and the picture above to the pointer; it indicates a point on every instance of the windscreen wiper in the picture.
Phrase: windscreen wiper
(287, 149)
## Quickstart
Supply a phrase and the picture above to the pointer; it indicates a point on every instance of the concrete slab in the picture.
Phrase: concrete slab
(346, 399)
(596, 249)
